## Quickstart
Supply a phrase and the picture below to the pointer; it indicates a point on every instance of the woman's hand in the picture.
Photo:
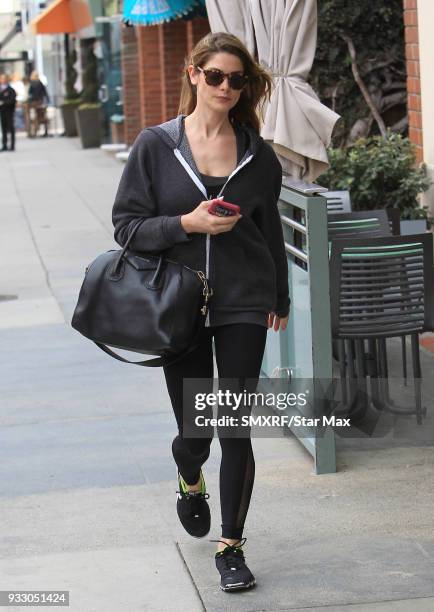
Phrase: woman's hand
(200, 220)
(278, 322)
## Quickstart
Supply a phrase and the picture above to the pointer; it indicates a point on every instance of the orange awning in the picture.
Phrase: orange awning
(63, 17)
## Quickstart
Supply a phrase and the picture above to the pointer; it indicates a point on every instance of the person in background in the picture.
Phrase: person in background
(18, 84)
(7, 110)
(37, 90)
(38, 96)
(25, 103)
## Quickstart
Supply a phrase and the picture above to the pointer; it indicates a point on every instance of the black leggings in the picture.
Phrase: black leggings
(8, 126)
(239, 349)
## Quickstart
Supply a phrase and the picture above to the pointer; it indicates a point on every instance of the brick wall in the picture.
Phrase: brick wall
(130, 84)
(173, 48)
(413, 76)
(152, 63)
(162, 49)
(150, 75)
(196, 29)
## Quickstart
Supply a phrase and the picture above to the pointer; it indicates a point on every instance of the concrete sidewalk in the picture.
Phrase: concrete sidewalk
(87, 480)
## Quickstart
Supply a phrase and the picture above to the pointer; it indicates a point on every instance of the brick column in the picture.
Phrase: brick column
(149, 70)
(152, 64)
(173, 49)
(130, 84)
(196, 29)
(413, 76)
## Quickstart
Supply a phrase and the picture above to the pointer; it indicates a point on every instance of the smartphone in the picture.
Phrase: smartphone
(223, 209)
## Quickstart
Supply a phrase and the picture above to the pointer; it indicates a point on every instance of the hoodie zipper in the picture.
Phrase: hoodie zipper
(202, 188)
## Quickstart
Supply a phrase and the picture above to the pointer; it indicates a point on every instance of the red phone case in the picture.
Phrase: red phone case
(233, 208)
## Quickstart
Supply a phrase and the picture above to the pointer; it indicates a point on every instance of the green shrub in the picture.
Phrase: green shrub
(89, 95)
(379, 173)
(71, 94)
(89, 106)
(70, 102)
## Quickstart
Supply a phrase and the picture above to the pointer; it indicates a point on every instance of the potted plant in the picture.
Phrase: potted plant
(72, 97)
(88, 113)
(415, 220)
(381, 173)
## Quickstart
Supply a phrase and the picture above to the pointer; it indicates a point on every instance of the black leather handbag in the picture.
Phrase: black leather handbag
(142, 303)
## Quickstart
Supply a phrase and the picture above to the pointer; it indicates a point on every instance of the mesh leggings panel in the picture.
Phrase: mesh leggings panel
(239, 349)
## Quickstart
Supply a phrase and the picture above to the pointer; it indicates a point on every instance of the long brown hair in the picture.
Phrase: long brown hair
(249, 108)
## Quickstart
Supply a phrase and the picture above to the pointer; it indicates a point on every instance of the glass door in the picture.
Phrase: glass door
(109, 72)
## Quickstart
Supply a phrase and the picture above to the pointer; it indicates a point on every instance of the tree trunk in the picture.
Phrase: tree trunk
(369, 101)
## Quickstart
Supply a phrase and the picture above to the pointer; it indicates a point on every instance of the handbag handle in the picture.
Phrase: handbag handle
(115, 271)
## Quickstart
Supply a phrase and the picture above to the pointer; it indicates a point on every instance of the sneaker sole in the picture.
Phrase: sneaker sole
(243, 587)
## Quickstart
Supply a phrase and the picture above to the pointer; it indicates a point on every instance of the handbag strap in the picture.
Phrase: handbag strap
(157, 361)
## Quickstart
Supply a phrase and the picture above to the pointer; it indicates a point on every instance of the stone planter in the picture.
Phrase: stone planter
(68, 115)
(413, 226)
(89, 126)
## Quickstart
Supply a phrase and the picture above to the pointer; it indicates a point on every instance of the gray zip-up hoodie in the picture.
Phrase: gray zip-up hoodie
(247, 266)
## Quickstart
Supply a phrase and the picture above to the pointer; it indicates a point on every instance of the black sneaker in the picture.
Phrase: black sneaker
(230, 562)
(193, 509)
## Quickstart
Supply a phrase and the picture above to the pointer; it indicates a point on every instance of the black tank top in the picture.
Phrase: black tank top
(213, 184)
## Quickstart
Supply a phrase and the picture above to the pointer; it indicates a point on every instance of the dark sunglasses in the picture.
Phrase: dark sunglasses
(216, 77)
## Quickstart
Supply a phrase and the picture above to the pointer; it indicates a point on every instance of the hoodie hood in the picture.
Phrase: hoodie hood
(172, 133)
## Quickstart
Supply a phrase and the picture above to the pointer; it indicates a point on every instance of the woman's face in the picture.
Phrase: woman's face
(220, 98)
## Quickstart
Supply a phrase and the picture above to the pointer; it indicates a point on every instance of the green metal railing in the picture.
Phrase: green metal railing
(303, 352)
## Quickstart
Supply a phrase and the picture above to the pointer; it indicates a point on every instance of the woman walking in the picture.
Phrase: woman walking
(37, 96)
(174, 172)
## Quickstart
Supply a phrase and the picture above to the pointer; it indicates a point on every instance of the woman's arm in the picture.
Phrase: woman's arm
(267, 218)
(135, 200)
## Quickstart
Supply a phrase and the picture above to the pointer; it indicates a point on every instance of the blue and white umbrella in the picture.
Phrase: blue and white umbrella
(152, 12)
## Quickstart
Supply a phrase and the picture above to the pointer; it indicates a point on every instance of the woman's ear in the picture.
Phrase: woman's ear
(192, 75)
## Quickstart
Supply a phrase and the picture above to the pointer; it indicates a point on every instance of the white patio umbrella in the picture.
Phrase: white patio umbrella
(296, 123)
(234, 17)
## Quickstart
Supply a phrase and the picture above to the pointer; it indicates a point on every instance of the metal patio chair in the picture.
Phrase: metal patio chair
(394, 216)
(372, 223)
(353, 225)
(338, 201)
(380, 288)
(369, 223)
